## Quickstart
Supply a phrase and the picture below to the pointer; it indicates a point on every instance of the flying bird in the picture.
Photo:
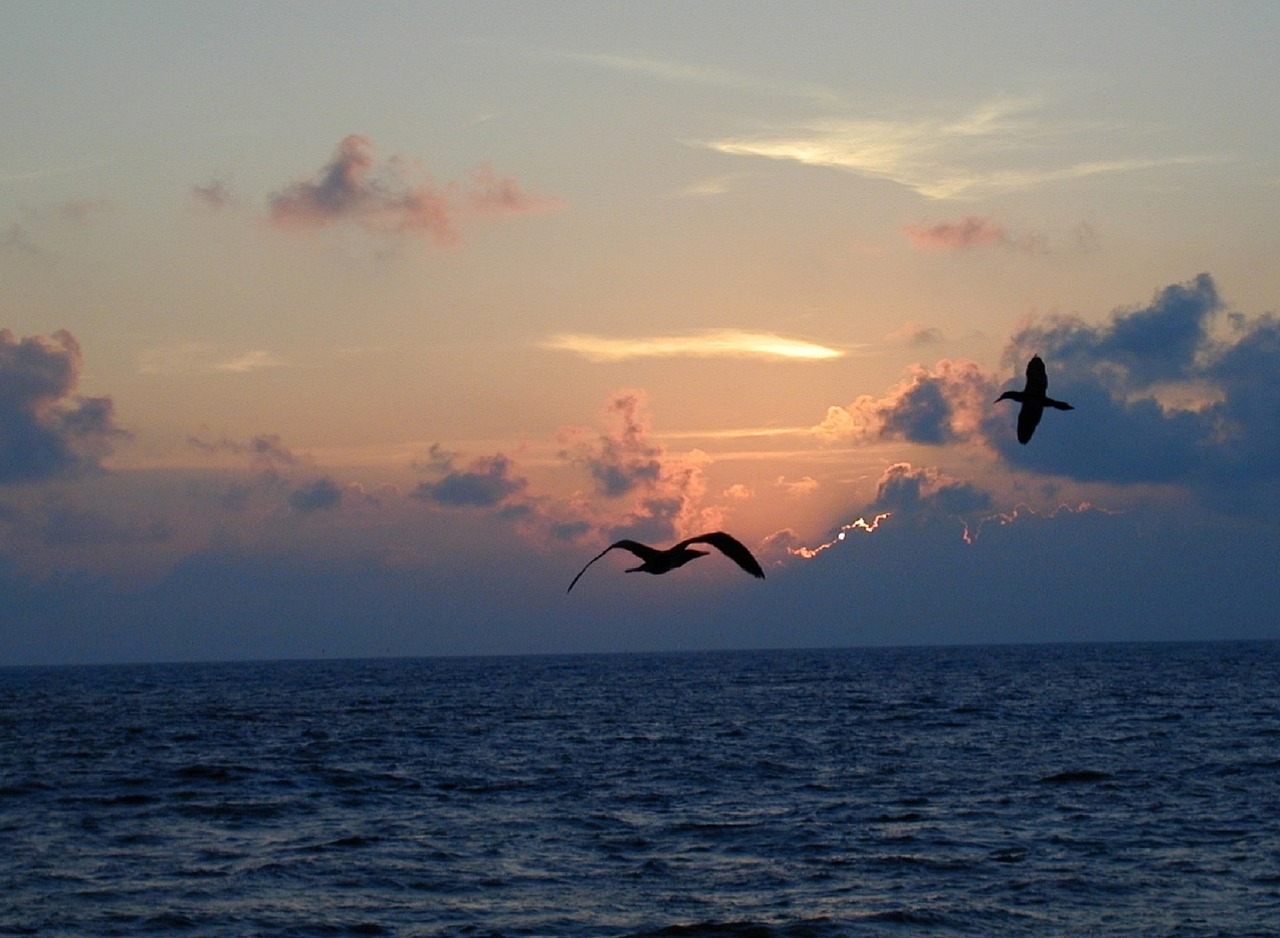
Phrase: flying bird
(660, 561)
(1033, 399)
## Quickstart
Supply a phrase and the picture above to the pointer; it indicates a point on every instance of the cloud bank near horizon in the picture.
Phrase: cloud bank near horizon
(1180, 391)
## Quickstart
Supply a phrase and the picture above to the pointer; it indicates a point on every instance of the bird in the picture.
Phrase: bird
(661, 561)
(1033, 399)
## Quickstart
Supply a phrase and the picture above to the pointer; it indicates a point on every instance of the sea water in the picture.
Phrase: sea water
(1036, 790)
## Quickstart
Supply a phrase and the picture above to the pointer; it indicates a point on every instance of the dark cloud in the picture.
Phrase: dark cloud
(905, 490)
(316, 496)
(351, 187)
(569, 531)
(63, 521)
(922, 414)
(1138, 348)
(935, 406)
(1077, 576)
(45, 432)
(1179, 391)
(486, 482)
(74, 526)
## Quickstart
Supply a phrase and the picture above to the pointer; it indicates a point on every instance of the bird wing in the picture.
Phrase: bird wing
(1028, 420)
(643, 551)
(1037, 379)
(731, 547)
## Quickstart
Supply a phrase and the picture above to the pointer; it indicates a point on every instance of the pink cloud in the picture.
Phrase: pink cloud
(663, 491)
(960, 235)
(353, 188)
(620, 458)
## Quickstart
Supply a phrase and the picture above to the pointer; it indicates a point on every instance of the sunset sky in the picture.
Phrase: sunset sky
(345, 329)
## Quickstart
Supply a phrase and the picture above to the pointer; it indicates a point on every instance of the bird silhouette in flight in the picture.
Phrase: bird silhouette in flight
(660, 561)
(1033, 399)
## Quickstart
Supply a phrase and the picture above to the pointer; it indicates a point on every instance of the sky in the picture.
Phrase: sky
(338, 330)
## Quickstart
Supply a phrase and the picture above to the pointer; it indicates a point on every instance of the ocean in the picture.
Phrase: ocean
(1083, 790)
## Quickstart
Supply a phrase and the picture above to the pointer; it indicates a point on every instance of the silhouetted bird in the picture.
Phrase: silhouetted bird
(1033, 399)
(660, 561)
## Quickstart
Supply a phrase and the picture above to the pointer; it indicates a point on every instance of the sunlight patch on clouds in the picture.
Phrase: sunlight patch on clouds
(719, 343)
(970, 156)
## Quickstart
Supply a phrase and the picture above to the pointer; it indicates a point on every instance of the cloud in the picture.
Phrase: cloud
(637, 489)
(994, 148)
(973, 231)
(944, 405)
(82, 210)
(215, 194)
(16, 240)
(711, 343)
(652, 495)
(621, 458)
(1179, 391)
(68, 525)
(805, 485)
(315, 496)
(486, 482)
(907, 492)
(187, 357)
(1140, 346)
(265, 451)
(913, 333)
(967, 233)
(352, 188)
(668, 506)
(252, 360)
(43, 434)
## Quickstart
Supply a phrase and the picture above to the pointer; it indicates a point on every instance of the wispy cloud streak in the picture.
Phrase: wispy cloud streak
(992, 149)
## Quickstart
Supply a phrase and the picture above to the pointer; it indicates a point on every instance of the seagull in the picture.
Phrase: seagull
(660, 561)
(1033, 399)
